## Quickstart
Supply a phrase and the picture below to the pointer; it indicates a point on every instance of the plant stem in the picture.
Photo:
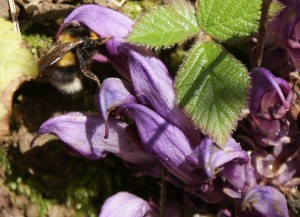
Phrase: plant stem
(262, 33)
(13, 14)
(163, 191)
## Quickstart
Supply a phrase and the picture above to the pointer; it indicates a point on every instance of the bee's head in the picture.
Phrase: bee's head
(74, 32)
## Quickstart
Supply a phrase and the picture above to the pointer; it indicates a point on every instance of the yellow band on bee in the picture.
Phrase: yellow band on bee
(67, 37)
(67, 60)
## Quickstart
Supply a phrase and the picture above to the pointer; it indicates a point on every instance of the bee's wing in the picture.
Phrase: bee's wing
(55, 55)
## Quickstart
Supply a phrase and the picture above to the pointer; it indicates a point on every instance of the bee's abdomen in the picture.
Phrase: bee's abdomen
(67, 79)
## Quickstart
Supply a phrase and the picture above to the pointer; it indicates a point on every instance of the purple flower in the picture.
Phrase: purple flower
(284, 31)
(213, 158)
(162, 139)
(150, 78)
(113, 93)
(125, 204)
(129, 205)
(163, 131)
(230, 163)
(264, 201)
(271, 98)
(273, 170)
(84, 136)
(139, 121)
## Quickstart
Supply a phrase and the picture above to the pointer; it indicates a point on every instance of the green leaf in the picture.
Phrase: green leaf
(165, 25)
(16, 65)
(212, 87)
(275, 9)
(228, 20)
(15, 59)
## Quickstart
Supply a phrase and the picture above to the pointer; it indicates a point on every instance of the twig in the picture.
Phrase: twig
(262, 33)
(13, 14)
(163, 191)
(117, 3)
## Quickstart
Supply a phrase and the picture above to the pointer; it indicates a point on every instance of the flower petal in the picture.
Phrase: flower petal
(113, 93)
(102, 20)
(84, 134)
(211, 158)
(126, 205)
(106, 23)
(264, 82)
(268, 167)
(266, 201)
(162, 139)
(153, 86)
(271, 98)
(240, 176)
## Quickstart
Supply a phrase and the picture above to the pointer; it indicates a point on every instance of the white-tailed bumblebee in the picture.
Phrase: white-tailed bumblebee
(64, 65)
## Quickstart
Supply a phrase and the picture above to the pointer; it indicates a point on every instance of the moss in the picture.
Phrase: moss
(39, 38)
(134, 8)
(38, 44)
(59, 178)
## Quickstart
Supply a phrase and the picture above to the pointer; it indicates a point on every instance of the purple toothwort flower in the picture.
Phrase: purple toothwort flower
(150, 78)
(84, 136)
(227, 169)
(163, 133)
(125, 204)
(266, 168)
(129, 205)
(155, 137)
(271, 98)
(138, 120)
(162, 139)
(264, 201)
(284, 31)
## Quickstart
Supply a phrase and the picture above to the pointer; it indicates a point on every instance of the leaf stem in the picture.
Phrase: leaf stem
(262, 33)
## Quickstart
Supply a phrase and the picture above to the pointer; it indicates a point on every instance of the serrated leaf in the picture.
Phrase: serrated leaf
(16, 63)
(228, 20)
(165, 25)
(212, 87)
(275, 9)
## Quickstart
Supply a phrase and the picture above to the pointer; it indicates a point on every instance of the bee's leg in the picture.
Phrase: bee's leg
(84, 67)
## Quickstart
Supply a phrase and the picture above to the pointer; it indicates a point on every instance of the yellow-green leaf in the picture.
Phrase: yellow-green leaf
(16, 64)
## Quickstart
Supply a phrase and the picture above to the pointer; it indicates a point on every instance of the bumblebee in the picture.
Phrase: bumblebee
(71, 58)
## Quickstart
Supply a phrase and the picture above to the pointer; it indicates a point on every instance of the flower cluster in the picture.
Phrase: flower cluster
(157, 133)
(283, 37)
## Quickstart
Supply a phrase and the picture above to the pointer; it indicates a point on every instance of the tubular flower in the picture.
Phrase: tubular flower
(264, 201)
(154, 136)
(150, 78)
(230, 163)
(125, 204)
(129, 205)
(164, 133)
(284, 31)
(267, 168)
(150, 87)
(84, 135)
(162, 139)
(139, 121)
(271, 98)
